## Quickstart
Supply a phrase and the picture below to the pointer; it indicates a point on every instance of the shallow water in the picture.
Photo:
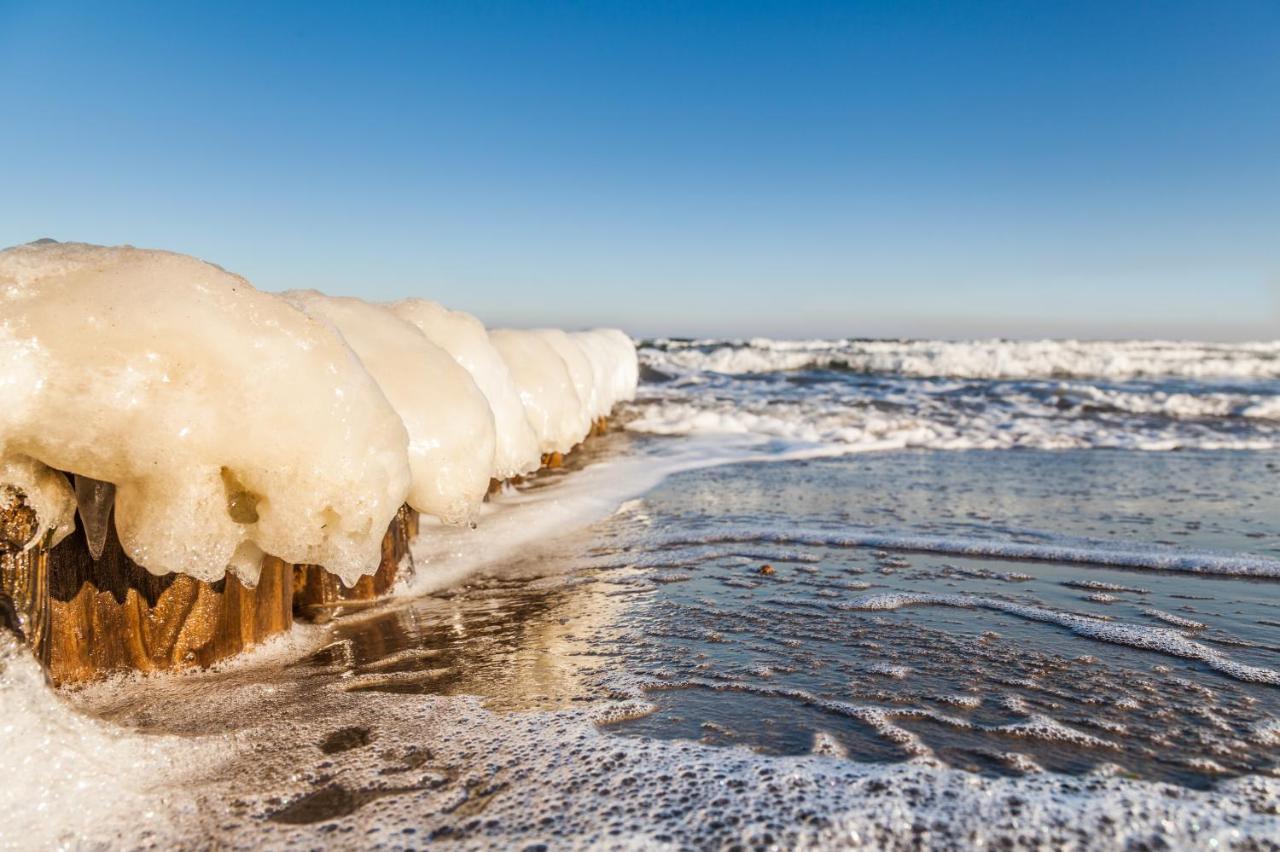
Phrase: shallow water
(1032, 647)
(643, 625)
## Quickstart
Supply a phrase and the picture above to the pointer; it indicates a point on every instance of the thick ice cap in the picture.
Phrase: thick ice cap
(614, 364)
(230, 422)
(546, 387)
(626, 367)
(464, 337)
(450, 424)
(580, 372)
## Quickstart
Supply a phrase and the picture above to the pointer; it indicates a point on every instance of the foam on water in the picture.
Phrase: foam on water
(1134, 635)
(1116, 553)
(871, 395)
(975, 359)
(398, 771)
(68, 777)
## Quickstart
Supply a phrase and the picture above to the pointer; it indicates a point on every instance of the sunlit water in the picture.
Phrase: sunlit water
(768, 640)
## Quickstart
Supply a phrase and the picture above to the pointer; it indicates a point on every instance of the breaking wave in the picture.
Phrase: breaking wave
(873, 395)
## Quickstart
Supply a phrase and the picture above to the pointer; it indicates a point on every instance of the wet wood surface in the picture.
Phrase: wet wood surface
(84, 618)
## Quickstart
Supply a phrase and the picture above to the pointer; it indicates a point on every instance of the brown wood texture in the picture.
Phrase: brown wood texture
(113, 615)
(24, 586)
(84, 618)
(319, 595)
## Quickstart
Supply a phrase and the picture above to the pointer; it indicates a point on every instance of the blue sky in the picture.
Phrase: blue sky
(791, 169)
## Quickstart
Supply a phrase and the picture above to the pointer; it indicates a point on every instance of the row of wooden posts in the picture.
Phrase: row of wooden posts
(84, 617)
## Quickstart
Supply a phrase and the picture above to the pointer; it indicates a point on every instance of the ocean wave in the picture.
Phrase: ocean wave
(971, 395)
(975, 359)
(937, 424)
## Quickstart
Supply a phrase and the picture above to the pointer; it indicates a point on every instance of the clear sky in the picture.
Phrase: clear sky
(740, 168)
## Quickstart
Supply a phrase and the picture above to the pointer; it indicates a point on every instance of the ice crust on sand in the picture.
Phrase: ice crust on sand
(450, 424)
(229, 422)
(464, 337)
(234, 423)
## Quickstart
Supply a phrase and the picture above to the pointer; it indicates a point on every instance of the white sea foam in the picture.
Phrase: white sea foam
(977, 359)
(928, 422)
(967, 395)
(1070, 550)
(1158, 639)
(626, 792)
(67, 776)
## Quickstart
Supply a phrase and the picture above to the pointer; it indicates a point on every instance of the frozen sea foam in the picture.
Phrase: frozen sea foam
(464, 337)
(231, 424)
(450, 424)
(546, 388)
(215, 423)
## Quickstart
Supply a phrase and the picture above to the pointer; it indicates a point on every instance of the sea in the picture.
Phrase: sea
(889, 594)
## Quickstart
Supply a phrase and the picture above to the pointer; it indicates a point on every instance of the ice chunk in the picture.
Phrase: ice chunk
(46, 492)
(169, 378)
(450, 424)
(464, 337)
(580, 372)
(546, 387)
(614, 364)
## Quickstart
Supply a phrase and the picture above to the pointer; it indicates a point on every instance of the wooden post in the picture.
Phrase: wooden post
(319, 595)
(83, 617)
(24, 586)
(112, 614)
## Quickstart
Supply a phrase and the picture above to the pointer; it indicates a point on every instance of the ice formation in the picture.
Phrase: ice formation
(546, 387)
(229, 422)
(214, 423)
(43, 491)
(464, 337)
(614, 366)
(450, 424)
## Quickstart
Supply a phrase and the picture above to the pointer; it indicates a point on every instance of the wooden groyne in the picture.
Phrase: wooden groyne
(84, 617)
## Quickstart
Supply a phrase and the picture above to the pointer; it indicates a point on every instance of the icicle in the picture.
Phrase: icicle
(94, 499)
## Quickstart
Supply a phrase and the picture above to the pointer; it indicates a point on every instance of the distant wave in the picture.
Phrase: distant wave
(992, 394)
(977, 359)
